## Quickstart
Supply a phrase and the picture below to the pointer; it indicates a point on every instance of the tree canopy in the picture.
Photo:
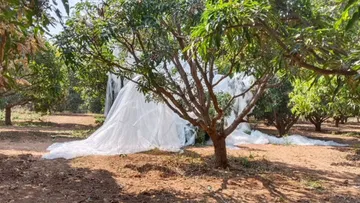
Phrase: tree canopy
(322, 98)
(30, 69)
(43, 83)
(178, 46)
(22, 28)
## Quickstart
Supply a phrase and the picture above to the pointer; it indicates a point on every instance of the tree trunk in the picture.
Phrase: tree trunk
(318, 126)
(221, 160)
(8, 116)
(342, 119)
(337, 120)
(279, 124)
(281, 130)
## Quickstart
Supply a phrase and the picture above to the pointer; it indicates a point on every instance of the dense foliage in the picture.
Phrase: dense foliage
(22, 27)
(84, 94)
(325, 97)
(43, 83)
(274, 107)
(30, 70)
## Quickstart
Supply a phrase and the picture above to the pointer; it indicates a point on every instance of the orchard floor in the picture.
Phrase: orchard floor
(258, 173)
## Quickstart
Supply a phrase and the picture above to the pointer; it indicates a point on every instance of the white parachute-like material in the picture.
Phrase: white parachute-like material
(114, 85)
(134, 125)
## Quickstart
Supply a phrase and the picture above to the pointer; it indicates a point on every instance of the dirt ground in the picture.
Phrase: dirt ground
(258, 173)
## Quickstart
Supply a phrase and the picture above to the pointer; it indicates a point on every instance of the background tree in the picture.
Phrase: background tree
(91, 85)
(311, 99)
(345, 100)
(87, 91)
(324, 97)
(22, 26)
(274, 107)
(43, 83)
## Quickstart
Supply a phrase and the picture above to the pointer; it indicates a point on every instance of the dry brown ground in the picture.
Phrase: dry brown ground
(259, 173)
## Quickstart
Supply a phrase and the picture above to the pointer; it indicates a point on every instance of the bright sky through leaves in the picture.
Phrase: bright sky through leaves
(58, 28)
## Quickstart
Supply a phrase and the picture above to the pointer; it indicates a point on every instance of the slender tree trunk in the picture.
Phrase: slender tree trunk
(337, 120)
(318, 126)
(342, 119)
(280, 126)
(8, 116)
(316, 120)
(281, 130)
(221, 160)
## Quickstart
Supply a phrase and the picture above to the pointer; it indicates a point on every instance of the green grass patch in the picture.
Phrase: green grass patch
(313, 184)
(82, 133)
(99, 119)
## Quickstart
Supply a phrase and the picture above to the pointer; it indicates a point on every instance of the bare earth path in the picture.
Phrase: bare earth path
(259, 173)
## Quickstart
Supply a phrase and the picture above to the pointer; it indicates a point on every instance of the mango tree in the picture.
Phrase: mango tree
(274, 107)
(178, 46)
(322, 98)
(43, 83)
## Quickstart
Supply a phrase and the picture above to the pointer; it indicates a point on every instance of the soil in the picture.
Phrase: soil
(258, 173)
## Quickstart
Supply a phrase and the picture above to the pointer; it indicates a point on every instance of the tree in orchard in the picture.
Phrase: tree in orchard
(311, 99)
(345, 101)
(274, 107)
(89, 82)
(22, 28)
(323, 97)
(178, 46)
(44, 83)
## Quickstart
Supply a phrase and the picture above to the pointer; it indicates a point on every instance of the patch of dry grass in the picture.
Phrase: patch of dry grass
(22, 114)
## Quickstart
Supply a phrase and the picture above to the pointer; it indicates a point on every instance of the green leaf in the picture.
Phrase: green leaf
(353, 19)
(66, 6)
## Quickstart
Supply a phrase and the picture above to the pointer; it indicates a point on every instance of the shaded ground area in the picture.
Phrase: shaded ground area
(259, 173)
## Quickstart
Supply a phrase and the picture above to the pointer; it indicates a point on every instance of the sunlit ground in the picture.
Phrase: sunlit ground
(258, 173)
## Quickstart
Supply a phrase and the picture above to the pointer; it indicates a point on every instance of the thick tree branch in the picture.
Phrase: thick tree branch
(240, 118)
(299, 61)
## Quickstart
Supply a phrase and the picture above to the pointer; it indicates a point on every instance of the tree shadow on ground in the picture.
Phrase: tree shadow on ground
(68, 126)
(284, 182)
(352, 157)
(25, 178)
(45, 131)
(353, 125)
(33, 136)
(76, 114)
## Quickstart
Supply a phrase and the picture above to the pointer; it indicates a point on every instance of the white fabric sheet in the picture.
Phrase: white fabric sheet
(133, 125)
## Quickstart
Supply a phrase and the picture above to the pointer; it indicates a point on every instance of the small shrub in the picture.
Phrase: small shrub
(99, 120)
(201, 137)
(82, 133)
(312, 183)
